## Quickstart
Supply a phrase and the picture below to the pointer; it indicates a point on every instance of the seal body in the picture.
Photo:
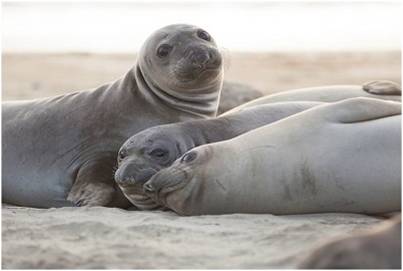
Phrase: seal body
(235, 94)
(147, 152)
(381, 89)
(341, 157)
(61, 151)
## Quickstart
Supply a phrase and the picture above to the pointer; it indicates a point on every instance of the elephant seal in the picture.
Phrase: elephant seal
(235, 94)
(147, 152)
(379, 89)
(380, 248)
(65, 147)
(340, 157)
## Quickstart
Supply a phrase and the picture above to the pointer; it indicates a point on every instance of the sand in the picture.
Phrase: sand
(113, 238)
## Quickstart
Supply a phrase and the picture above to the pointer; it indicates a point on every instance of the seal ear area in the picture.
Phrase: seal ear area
(358, 110)
(383, 87)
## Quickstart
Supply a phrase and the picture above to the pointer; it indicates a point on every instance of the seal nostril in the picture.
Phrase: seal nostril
(200, 58)
(149, 188)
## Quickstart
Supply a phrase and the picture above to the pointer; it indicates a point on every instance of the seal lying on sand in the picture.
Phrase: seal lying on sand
(158, 147)
(379, 89)
(66, 146)
(340, 157)
(377, 249)
(147, 152)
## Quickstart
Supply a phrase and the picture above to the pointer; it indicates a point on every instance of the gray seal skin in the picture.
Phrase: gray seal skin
(147, 152)
(61, 151)
(380, 248)
(379, 89)
(339, 157)
(235, 94)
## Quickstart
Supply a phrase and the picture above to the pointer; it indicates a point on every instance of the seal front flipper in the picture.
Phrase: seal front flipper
(91, 194)
(94, 186)
(360, 109)
(383, 87)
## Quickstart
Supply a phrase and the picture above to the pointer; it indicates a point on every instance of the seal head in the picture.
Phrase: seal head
(181, 66)
(180, 186)
(146, 153)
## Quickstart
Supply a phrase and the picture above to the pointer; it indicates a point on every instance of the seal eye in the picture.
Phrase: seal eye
(189, 157)
(158, 153)
(122, 154)
(164, 50)
(203, 35)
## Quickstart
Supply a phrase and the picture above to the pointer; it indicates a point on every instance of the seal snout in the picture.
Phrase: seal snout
(200, 58)
(130, 173)
(203, 57)
(165, 181)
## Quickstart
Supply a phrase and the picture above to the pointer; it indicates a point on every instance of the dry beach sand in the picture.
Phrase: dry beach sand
(113, 238)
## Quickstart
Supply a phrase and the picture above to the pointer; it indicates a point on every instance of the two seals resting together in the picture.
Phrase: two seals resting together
(235, 179)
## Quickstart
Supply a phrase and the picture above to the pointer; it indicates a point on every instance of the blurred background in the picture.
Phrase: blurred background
(55, 47)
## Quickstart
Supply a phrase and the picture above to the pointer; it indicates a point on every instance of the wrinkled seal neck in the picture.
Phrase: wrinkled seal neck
(203, 104)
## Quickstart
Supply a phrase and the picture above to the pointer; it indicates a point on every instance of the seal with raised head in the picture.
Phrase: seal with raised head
(338, 157)
(147, 152)
(61, 151)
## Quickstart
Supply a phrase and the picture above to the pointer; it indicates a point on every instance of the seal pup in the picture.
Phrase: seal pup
(150, 150)
(147, 152)
(65, 147)
(340, 157)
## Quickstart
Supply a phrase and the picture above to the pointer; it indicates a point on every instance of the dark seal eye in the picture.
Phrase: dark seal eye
(164, 50)
(203, 35)
(159, 153)
(122, 154)
(189, 157)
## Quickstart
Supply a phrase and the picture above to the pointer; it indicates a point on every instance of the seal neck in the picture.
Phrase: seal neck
(202, 105)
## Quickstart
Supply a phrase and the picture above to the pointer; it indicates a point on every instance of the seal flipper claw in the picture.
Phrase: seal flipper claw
(78, 203)
(63, 203)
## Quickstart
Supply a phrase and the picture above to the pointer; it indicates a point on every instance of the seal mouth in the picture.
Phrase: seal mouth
(198, 65)
(138, 198)
(134, 192)
(131, 173)
(144, 202)
(166, 182)
(203, 73)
